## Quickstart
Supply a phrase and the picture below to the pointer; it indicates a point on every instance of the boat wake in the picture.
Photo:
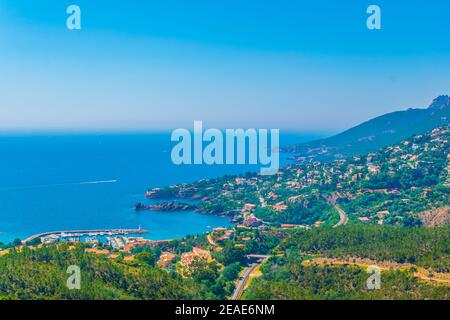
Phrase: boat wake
(58, 185)
(99, 182)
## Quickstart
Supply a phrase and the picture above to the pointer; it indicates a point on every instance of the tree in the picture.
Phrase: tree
(231, 272)
(146, 257)
(203, 271)
(17, 242)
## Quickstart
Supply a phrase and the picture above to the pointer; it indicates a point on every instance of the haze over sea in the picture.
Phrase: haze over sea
(54, 182)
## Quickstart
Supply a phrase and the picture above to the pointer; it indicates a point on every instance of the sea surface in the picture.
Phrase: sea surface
(51, 182)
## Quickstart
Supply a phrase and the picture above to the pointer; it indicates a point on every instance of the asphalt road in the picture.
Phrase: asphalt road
(242, 282)
(342, 215)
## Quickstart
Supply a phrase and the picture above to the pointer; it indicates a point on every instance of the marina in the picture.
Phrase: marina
(80, 233)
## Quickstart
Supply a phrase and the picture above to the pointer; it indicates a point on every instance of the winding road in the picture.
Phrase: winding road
(243, 280)
(343, 219)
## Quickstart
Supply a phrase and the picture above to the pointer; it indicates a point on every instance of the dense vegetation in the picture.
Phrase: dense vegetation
(286, 278)
(304, 212)
(426, 247)
(41, 274)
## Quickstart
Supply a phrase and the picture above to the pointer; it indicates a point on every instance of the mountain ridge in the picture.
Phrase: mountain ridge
(376, 133)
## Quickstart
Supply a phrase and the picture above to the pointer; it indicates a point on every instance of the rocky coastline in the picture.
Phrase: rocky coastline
(165, 206)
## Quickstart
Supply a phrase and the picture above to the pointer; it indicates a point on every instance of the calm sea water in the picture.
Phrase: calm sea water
(91, 181)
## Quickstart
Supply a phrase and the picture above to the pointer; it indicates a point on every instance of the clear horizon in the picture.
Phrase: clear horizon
(146, 67)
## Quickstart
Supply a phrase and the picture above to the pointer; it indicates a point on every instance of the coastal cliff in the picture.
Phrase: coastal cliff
(165, 206)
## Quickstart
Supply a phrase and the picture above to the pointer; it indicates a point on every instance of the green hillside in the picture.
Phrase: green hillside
(377, 133)
(287, 276)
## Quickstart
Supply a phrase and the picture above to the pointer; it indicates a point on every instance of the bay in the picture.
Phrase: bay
(54, 182)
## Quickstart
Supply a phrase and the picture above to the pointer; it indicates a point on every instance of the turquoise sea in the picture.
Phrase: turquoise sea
(54, 182)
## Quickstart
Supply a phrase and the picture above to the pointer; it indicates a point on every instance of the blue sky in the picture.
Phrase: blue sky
(150, 65)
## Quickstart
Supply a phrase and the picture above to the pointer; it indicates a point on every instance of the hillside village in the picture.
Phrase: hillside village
(392, 186)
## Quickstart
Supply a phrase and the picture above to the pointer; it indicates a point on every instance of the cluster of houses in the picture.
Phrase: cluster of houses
(249, 218)
(197, 253)
(294, 183)
(167, 258)
(301, 183)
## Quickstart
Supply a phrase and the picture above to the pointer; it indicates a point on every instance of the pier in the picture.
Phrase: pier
(79, 233)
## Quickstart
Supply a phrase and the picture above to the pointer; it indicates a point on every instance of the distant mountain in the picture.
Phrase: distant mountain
(376, 133)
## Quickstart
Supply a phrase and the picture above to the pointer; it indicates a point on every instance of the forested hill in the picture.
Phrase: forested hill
(424, 247)
(377, 133)
(327, 263)
(41, 273)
